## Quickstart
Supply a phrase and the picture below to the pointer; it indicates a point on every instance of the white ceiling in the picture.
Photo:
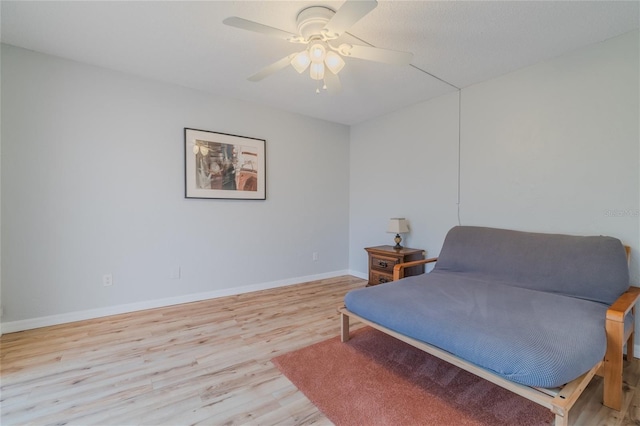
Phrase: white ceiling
(185, 42)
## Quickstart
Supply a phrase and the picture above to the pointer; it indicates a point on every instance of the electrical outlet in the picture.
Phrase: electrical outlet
(107, 280)
(315, 256)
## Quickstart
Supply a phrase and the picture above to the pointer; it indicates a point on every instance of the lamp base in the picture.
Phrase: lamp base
(398, 240)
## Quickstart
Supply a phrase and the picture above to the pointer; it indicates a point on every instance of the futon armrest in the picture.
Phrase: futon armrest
(619, 309)
(398, 270)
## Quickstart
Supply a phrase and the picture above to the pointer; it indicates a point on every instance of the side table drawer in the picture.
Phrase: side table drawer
(382, 263)
(376, 278)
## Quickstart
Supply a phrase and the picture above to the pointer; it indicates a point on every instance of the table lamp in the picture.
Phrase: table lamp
(398, 225)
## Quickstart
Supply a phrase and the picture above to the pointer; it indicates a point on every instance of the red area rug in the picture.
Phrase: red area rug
(375, 379)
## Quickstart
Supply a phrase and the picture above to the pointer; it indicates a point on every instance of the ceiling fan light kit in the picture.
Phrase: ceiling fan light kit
(317, 26)
(318, 58)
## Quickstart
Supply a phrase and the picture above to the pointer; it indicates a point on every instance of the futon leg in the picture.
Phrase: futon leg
(561, 420)
(612, 397)
(612, 394)
(630, 342)
(344, 327)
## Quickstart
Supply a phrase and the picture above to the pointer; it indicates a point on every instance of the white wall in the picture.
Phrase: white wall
(1, 313)
(552, 148)
(404, 165)
(93, 183)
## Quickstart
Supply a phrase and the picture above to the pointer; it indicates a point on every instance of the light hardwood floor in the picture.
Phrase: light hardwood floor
(199, 363)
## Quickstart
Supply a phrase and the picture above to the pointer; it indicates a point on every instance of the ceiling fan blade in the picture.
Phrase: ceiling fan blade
(332, 82)
(350, 13)
(273, 68)
(256, 27)
(376, 54)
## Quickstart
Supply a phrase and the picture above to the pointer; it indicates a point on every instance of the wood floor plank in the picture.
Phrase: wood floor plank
(199, 363)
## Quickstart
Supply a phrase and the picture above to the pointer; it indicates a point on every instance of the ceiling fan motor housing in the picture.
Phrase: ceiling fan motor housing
(312, 20)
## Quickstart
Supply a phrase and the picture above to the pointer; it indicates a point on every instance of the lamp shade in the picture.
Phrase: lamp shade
(301, 61)
(398, 225)
(317, 71)
(334, 62)
(317, 53)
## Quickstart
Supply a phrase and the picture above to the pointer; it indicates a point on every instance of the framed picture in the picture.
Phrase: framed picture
(218, 165)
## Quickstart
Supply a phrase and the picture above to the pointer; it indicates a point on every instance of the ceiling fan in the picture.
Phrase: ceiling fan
(321, 29)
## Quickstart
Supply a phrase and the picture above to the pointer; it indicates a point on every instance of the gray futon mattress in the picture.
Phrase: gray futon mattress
(527, 336)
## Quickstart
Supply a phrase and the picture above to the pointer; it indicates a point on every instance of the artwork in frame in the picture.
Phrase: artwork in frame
(219, 165)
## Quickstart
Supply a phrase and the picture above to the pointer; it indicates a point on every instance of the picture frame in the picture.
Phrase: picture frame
(224, 166)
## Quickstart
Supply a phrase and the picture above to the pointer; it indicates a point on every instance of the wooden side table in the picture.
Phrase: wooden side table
(382, 259)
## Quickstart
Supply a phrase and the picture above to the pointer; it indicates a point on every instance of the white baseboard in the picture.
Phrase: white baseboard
(28, 324)
(359, 274)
